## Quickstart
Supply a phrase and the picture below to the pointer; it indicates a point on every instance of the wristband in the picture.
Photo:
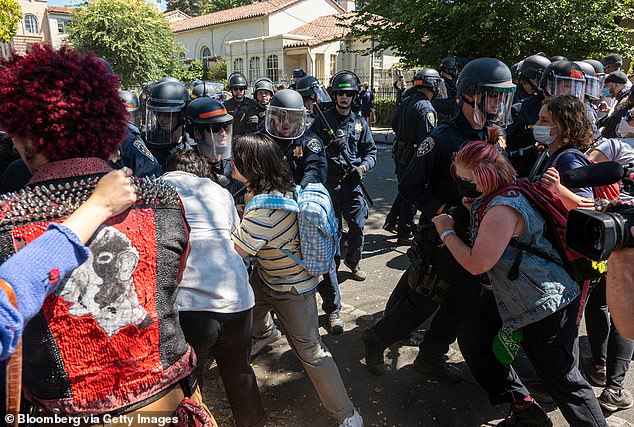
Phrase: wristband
(446, 232)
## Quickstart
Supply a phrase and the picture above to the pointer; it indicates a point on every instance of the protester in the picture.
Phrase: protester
(277, 280)
(538, 306)
(109, 339)
(214, 298)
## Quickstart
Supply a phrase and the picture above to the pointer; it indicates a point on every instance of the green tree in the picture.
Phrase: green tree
(130, 34)
(200, 7)
(10, 15)
(218, 70)
(193, 71)
(425, 31)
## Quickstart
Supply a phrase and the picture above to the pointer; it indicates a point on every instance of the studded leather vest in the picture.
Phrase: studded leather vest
(108, 338)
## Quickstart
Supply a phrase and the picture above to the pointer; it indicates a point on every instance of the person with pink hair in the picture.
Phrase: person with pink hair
(536, 308)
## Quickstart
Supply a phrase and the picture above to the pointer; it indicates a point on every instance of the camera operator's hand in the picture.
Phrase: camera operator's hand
(336, 146)
(442, 222)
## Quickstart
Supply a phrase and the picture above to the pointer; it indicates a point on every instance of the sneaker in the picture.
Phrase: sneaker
(373, 353)
(527, 414)
(357, 274)
(259, 344)
(439, 369)
(390, 227)
(613, 401)
(595, 374)
(354, 420)
(335, 323)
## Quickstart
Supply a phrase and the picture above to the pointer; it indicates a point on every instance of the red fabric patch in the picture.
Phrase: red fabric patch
(53, 276)
(102, 367)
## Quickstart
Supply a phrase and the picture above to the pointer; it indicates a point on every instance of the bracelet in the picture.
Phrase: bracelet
(446, 232)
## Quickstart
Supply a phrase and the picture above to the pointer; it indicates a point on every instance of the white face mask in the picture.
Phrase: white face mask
(624, 128)
(542, 134)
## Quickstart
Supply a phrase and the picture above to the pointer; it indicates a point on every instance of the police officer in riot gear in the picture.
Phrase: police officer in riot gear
(206, 89)
(520, 143)
(211, 127)
(435, 278)
(312, 92)
(357, 144)
(563, 78)
(592, 93)
(262, 92)
(165, 119)
(133, 152)
(413, 120)
(445, 103)
(239, 104)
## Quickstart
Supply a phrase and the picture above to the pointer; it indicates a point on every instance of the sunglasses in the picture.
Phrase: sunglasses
(216, 127)
(348, 94)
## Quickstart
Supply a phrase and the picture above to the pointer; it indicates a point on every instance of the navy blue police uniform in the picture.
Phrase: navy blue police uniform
(347, 197)
(254, 120)
(239, 111)
(519, 134)
(134, 154)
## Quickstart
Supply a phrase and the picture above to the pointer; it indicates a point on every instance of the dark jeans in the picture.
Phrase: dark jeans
(551, 345)
(608, 347)
(228, 337)
(328, 289)
(350, 204)
(401, 213)
(407, 309)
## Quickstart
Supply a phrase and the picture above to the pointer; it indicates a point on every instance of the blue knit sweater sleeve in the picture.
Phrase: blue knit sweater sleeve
(32, 273)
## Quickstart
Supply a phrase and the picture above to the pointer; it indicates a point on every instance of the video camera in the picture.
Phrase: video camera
(597, 234)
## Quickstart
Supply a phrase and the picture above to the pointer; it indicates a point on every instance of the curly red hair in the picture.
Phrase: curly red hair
(65, 102)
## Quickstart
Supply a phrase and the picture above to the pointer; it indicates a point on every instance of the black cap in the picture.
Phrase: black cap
(613, 58)
(616, 77)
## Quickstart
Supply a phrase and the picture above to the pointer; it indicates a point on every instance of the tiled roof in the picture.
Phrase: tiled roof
(262, 8)
(321, 30)
(59, 9)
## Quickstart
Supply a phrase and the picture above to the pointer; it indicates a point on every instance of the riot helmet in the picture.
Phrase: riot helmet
(165, 109)
(427, 77)
(514, 72)
(298, 73)
(345, 81)
(237, 79)
(169, 79)
(205, 90)
(308, 86)
(450, 66)
(489, 82)
(593, 83)
(209, 124)
(562, 78)
(532, 67)
(557, 58)
(286, 115)
(263, 84)
(130, 100)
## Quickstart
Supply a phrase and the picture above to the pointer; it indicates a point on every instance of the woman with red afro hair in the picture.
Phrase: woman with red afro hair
(64, 103)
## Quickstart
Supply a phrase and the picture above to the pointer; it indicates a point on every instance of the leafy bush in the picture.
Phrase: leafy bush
(384, 109)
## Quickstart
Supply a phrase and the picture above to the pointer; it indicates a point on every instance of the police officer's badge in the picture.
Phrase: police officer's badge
(139, 145)
(298, 152)
(425, 147)
(431, 119)
(358, 127)
(314, 145)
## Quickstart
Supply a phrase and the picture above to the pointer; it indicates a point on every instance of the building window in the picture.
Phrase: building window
(272, 70)
(30, 24)
(333, 64)
(378, 60)
(205, 55)
(254, 68)
(238, 65)
(61, 25)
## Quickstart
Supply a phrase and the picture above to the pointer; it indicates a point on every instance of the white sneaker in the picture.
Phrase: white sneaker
(258, 345)
(354, 420)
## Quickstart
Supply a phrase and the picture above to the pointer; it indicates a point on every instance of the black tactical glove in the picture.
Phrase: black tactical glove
(354, 175)
(336, 146)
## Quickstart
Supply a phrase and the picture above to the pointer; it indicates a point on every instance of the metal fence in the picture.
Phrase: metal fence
(383, 82)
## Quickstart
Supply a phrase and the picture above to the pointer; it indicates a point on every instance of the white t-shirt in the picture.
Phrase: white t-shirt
(215, 278)
(620, 151)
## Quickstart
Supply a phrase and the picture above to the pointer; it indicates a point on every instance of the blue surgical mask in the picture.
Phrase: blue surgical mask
(606, 92)
(542, 134)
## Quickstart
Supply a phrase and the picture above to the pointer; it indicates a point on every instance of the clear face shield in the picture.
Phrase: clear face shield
(285, 123)
(442, 89)
(593, 87)
(214, 140)
(493, 105)
(320, 91)
(161, 125)
(567, 86)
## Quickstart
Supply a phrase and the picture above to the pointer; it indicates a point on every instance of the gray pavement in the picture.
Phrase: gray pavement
(403, 397)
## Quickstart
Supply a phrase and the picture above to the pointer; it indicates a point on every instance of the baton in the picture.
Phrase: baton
(346, 159)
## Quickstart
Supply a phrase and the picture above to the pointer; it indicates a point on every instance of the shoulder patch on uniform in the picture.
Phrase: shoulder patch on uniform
(425, 146)
(139, 145)
(431, 119)
(314, 145)
(358, 127)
